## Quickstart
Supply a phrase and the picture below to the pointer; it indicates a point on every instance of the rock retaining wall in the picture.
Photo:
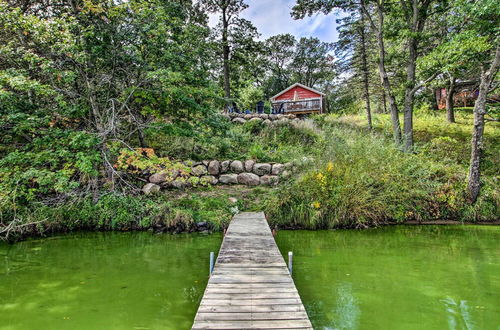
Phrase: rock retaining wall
(215, 172)
(241, 118)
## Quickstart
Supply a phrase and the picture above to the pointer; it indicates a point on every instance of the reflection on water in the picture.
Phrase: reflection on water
(104, 281)
(399, 277)
(459, 317)
(347, 309)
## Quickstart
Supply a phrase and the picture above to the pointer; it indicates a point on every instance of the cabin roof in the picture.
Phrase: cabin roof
(297, 85)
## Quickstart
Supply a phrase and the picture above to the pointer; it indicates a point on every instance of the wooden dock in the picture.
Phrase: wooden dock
(250, 287)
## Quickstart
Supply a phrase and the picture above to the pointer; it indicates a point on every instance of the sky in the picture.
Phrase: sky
(272, 17)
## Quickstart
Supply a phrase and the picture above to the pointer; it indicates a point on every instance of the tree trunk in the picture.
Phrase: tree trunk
(384, 101)
(474, 180)
(450, 92)
(410, 94)
(364, 68)
(396, 127)
(225, 54)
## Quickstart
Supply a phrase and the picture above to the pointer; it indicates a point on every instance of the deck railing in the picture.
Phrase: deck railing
(298, 106)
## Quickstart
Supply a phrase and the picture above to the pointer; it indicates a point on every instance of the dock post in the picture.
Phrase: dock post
(290, 261)
(212, 257)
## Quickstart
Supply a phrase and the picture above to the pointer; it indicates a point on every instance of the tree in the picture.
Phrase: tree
(81, 80)
(407, 19)
(280, 50)
(304, 7)
(229, 11)
(352, 50)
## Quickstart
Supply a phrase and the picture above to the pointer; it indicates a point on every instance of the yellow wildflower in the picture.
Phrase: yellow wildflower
(329, 167)
(316, 204)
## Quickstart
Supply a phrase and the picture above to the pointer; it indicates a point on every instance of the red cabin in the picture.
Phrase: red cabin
(298, 99)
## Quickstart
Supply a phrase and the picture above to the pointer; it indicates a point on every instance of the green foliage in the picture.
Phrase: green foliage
(359, 180)
(249, 96)
(56, 162)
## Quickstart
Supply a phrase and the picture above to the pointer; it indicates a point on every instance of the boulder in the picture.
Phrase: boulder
(288, 166)
(264, 116)
(228, 178)
(262, 168)
(239, 120)
(236, 166)
(270, 180)
(249, 165)
(214, 167)
(267, 122)
(202, 224)
(199, 170)
(163, 176)
(224, 166)
(273, 117)
(277, 169)
(205, 162)
(256, 119)
(179, 184)
(248, 116)
(248, 179)
(150, 188)
(209, 179)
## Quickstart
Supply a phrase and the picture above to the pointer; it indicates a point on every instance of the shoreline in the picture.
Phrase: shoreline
(207, 230)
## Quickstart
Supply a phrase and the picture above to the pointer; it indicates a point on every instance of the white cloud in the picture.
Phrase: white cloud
(272, 17)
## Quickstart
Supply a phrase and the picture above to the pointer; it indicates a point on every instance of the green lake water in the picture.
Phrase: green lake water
(386, 278)
(104, 281)
(429, 277)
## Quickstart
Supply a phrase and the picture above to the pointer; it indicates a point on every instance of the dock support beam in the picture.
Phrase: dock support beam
(212, 259)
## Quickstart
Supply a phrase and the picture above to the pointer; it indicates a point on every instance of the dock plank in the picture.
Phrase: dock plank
(250, 286)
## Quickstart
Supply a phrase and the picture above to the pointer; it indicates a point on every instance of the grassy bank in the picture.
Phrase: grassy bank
(360, 179)
(348, 177)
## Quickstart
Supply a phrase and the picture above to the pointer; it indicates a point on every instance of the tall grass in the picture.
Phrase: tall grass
(360, 179)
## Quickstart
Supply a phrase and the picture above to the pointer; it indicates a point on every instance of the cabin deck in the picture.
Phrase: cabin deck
(250, 287)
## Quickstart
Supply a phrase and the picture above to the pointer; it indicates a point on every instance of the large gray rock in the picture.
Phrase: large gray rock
(209, 179)
(249, 165)
(248, 179)
(224, 166)
(269, 180)
(248, 116)
(158, 178)
(264, 116)
(262, 168)
(267, 122)
(199, 170)
(228, 178)
(237, 166)
(214, 167)
(288, 166)
(277, 169)
(239, 120)
(150, 188)
(273, 117)
(179, 184)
